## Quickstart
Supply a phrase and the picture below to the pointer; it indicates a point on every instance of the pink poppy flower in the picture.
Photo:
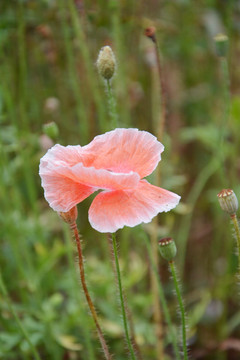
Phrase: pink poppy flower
(115, 162)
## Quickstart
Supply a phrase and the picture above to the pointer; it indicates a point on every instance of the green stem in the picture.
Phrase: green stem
(111, 105)
(163, 301)
(18, 321)
(130, 347)
(181, 306)
(237, 232)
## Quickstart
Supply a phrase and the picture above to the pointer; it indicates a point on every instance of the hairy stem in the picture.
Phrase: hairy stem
(237, 232)
(181, 306)
(111, 105)
(129, 315)
(87, 295)
(130, 347)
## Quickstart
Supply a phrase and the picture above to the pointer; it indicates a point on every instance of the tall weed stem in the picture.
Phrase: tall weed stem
(124, 316)
(87, 295)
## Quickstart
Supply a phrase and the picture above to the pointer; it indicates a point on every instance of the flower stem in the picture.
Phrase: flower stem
(111, 105)
(18, 321)
(181, 306)
(129, 315)
(87, 295)
(163, 300)
(130, 347)
(237, 232)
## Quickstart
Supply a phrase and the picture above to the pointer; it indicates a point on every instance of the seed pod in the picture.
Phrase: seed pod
(167, 248)
(221, 42)
(228, 201)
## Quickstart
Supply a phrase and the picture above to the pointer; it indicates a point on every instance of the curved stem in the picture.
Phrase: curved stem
(130, 347)
(181, 306)
(18, 321)
(87, 295)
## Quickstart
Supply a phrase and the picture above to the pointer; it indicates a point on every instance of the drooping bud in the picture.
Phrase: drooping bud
(70, 216)
(221, 42)
(150, 32)
(51, 130)
(106, 63)
(167, 248)
(228, 201)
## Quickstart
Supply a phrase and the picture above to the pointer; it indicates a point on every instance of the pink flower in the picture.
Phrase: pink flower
(115, 162)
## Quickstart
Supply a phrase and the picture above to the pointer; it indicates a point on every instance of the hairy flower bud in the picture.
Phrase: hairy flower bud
(106, 63)
(70, 216)
(221, 42)
(228, 201)
(167, 248)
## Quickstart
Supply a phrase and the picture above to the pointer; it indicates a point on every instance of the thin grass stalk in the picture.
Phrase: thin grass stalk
(74, 80)
(163, 300)
(181, 306)
(159, 114)
(89, 345)
(87, 295)
(121, 56)
(196, 190)
(128, 312)
(82, 42)
(121, 296)
(18, 320)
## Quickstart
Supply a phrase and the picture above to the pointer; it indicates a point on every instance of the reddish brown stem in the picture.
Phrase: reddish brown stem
(87, 295)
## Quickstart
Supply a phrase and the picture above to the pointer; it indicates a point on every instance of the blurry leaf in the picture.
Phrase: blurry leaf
(69, 342)
(112, 328)
(8, 340)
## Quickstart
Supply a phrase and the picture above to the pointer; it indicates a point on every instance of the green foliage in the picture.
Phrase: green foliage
(48, 51)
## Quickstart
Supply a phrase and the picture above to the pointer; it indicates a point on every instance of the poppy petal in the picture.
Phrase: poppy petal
(113, 210)
(124, 150)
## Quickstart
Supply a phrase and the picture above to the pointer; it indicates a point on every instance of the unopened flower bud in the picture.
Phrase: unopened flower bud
(221, 42)
(106, 63)
(51, 130)
(228, 201)
(70, 216)
(167, 248)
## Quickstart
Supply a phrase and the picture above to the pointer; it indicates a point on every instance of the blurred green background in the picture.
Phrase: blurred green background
(48, 51)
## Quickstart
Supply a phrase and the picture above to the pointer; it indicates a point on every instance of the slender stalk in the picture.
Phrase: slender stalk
(237, 232)
(112, 105)
(87, 295)
(82, 313)
(159, 119)
(181, 306)
(129, 315)
(130, 347)
(18, 321)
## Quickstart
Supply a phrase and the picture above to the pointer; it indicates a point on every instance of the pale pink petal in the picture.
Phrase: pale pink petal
(124, 150)
(113, 210)
(63, 193)
(60, 190)
(60, 155)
